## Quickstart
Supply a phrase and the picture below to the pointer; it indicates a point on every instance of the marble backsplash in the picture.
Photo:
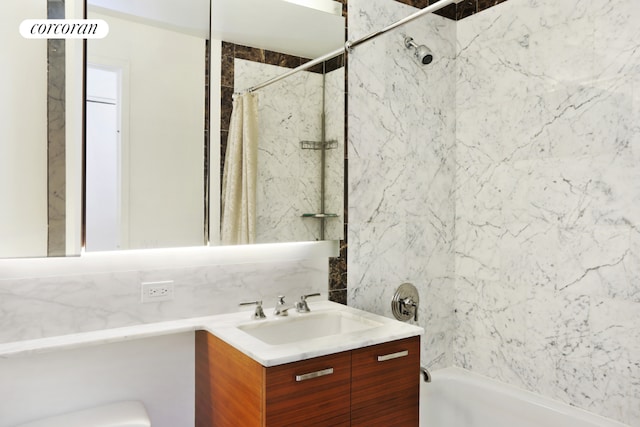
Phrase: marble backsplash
(57, 296)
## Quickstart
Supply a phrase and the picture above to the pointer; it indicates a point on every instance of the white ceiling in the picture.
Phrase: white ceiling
(279, 25)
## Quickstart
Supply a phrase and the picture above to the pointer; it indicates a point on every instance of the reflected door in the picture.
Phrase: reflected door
(103, 161)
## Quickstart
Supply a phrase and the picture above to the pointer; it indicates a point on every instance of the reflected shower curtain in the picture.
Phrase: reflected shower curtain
(238, 219)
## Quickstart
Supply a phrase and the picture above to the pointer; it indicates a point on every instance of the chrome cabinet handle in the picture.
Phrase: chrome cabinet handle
(393, 356)
(316, 374)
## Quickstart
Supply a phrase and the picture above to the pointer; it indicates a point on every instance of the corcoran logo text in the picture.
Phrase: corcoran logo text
(64, 29)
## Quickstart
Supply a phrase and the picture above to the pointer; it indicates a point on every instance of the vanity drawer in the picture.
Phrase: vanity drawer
(311, 392)
(385, 385)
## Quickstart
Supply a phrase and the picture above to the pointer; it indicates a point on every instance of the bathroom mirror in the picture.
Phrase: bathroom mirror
(32, 175)
(40, 149)
(300, 119)
(145, 125)
(156, 194)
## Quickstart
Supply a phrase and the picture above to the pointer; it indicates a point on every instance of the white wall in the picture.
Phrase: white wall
(165, 141)
(159, 372)
(23, 137)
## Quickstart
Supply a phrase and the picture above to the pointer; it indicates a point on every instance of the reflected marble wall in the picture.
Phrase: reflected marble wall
(401, 169)
(548, 202)
(289, 112)
(56, 139)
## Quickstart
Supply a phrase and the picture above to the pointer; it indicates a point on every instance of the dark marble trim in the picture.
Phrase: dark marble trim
(455, 11)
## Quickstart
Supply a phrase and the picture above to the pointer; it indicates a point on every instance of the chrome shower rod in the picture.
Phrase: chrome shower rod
(429, 9)
(302, 67)
(351, 44)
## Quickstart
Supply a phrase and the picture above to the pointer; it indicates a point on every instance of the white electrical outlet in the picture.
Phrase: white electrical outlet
(157, 291)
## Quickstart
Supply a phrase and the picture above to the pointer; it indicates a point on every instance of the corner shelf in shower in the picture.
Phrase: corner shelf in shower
(319, 145)
(319, 215)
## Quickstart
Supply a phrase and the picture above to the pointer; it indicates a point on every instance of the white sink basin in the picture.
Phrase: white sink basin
(329, 328)
(301, 327)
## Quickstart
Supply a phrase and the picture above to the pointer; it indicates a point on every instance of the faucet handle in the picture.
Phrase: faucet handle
(259, 312)
(409, 307)
(281, 307)
(302, 306)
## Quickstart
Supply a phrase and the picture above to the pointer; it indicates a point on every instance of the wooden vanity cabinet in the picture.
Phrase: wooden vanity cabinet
(343, 389)
(385, 384)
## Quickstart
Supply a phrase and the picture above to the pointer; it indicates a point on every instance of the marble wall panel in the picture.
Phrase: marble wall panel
(68, 302)
(547, 210)
(401, 169)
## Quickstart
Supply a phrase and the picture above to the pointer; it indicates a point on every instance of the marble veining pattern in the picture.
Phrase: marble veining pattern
(547, 203)
(401, 169)
(48, 306)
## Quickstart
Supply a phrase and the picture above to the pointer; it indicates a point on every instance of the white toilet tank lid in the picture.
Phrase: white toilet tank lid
(121, 414)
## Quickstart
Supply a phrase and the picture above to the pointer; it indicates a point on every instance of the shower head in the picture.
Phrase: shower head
(422, 53)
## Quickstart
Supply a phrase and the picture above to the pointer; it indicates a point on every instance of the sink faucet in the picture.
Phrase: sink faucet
(302, 306)
(282, 309)
(258, 313)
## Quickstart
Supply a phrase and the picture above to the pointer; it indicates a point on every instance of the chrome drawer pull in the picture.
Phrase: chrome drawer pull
(316, 374)
(393, 355)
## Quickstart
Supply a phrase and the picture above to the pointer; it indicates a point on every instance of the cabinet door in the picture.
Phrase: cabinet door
(229, 385)
(385, 385)
(312, 392)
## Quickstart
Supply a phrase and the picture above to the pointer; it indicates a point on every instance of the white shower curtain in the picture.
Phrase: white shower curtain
(238, 219)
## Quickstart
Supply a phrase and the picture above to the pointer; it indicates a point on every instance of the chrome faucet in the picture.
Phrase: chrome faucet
(409, 307)
(258, 313)
(282, 309)
(302, 306)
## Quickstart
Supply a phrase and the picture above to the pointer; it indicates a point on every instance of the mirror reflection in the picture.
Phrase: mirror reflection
(291, 196)
(40, 207)
(161, 175)
(299, 151)
(145, 133)
(299, 120)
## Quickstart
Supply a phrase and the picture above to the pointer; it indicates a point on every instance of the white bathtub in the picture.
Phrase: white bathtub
(458, 398)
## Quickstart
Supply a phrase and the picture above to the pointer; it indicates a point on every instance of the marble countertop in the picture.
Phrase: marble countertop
(224, 326)
(271, 355)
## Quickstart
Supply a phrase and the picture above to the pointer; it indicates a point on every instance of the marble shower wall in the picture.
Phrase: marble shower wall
(289, 112)
(401, 169)
(547, 252)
